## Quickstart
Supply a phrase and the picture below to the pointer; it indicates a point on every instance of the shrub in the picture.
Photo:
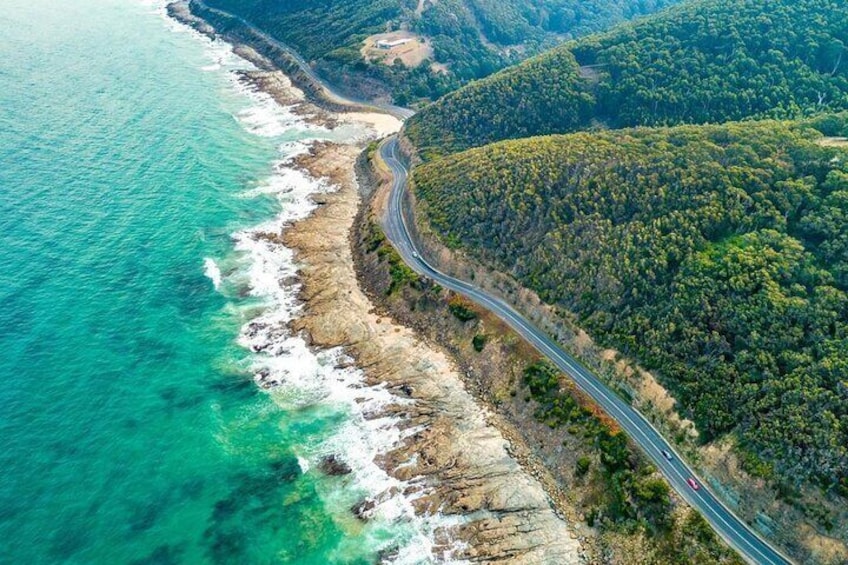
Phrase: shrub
(460, 308)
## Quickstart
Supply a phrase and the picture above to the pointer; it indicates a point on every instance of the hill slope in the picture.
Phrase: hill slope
(469, 39)
(703, 61)
(717, 255)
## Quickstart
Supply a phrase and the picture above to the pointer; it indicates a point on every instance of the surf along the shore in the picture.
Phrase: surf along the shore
(343, 424)
(427, 472)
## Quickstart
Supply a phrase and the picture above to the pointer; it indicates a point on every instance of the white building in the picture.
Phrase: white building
(386, 44)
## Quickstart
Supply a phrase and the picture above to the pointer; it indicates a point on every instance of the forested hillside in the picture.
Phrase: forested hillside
(700, 62)
(470, 38)
(716, 255)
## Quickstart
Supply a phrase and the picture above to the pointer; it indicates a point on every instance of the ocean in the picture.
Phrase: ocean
(136, 311)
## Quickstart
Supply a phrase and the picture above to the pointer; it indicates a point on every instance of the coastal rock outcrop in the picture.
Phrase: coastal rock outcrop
(464, 461)
(334, 466)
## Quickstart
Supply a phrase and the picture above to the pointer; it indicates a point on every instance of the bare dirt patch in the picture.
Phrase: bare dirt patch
(439, 68)
(412, 52)
(590, 73)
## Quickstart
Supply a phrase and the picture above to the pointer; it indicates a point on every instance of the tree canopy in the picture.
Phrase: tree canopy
(716, 255)
(703, 61)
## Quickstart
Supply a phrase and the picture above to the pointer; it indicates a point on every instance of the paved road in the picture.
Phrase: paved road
(730, 527)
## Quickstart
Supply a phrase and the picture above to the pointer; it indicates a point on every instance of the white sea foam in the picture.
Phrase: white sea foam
(265, 117)
(303, 464)
(299, 378)
(211, 270)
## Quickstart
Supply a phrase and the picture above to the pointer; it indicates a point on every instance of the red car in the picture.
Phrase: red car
(693, 483)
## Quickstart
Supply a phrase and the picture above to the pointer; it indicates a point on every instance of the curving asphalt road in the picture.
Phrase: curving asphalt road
(730, 527)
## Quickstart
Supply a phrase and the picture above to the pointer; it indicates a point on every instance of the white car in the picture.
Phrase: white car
(415, 254)
(666, 454)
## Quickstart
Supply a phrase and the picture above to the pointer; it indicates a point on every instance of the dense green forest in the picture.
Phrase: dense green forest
(473, 38)
(704, 61)
(621, 494)
(716, 255)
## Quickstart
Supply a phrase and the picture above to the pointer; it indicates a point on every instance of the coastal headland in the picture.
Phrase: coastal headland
(451, 457)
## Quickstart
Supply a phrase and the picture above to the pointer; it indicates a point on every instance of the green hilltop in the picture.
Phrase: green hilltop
(716, 255)
(680, 184)
(703, 61)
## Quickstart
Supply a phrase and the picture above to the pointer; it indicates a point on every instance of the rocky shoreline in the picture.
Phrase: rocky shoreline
(464, 460)
(453, 460)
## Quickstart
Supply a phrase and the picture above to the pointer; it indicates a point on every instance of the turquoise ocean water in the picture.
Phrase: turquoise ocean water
(132, 169)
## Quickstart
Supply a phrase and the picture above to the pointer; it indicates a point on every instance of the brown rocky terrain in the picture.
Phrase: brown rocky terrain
(465, 460)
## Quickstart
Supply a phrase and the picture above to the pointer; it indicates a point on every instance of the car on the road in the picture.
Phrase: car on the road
(666, 454)
(693, 483)
(415, 254)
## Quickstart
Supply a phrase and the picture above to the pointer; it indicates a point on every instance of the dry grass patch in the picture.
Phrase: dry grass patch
(414, 51)
(833, 142)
